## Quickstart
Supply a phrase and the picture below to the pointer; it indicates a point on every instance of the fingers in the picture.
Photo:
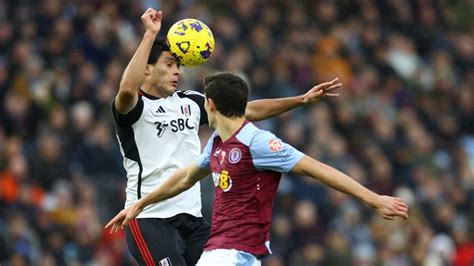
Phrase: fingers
(114, 229)
(393, 207)
(125, 222)
(329, 83)
(334, 81)
(159, 15)
(400, 208)
(116, 221)
(118, 225)
(111, 222)
(328, 86)
(152, 14)
(149, 11)
(333, 87)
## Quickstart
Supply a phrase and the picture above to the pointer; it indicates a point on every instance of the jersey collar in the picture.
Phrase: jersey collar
(147, 95)
(236, 132)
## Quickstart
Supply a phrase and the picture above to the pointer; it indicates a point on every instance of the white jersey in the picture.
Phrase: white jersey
(159, 136)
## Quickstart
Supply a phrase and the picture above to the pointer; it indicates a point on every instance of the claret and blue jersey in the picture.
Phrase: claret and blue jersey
(246, 170)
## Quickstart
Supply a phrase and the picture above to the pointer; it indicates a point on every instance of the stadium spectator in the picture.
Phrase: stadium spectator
(421, 122)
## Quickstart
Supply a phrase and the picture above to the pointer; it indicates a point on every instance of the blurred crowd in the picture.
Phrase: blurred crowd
(403, 124)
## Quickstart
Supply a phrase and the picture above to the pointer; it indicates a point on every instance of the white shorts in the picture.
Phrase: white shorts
(227, 257)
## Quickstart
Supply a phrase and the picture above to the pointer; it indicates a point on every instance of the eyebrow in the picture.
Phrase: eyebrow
(170, 58)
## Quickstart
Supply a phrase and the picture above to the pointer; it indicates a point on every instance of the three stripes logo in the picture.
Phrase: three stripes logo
(161, 110)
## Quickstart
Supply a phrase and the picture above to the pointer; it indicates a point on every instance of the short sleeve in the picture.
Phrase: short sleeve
(204, 160)
(130, 118)
(270, 153)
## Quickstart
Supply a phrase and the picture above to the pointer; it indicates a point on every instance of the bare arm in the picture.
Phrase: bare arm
(266, 108)
(132, 77)
(387, 207)
(178, 182)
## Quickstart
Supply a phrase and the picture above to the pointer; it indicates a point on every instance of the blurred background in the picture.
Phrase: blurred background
(403, 124)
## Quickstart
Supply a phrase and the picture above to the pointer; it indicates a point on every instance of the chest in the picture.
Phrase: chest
(170, 116)
(232, 166)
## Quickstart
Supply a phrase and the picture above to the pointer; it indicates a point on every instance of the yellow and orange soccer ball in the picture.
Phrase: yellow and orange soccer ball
(191, 42)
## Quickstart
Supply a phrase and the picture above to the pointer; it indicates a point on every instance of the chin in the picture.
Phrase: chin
(170, 90)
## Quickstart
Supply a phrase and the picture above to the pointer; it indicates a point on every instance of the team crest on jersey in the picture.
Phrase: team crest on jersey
(186, 110)
(275, 145)
(165, 262)
(235, 155)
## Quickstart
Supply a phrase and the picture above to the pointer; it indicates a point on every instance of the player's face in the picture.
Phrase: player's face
(164, 74)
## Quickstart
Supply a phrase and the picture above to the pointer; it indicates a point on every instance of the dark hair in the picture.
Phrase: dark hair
(229, 93)
(159, 46)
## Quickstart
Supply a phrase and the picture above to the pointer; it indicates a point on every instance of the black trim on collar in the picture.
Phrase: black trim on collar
(149, 96)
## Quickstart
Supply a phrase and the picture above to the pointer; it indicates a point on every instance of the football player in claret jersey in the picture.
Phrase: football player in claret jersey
(157, 127)
(246, 165)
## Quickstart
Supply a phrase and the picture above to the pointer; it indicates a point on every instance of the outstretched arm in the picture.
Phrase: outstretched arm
(132, 77)
(266, 108)
(178, 182)
(386, 206)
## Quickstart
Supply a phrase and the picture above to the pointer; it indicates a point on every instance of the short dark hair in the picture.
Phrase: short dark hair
(229, 93)
(159, 46)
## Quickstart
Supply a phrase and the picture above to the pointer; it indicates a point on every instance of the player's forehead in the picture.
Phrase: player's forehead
(167, 57)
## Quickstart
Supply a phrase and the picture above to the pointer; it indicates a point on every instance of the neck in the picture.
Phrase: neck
(154, 90)
(227, 126)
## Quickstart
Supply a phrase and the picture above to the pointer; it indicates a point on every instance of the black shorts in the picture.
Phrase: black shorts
(176, 241)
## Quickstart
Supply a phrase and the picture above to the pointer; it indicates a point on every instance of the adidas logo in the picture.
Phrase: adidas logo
(161, 110)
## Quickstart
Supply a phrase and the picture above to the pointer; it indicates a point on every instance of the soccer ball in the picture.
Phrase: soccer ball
(191, 42)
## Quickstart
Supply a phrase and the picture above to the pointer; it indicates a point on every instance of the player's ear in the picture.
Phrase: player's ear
(212, 105)
(148, 69)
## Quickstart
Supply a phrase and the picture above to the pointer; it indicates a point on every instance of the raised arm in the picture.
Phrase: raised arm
(178, 182)
(386, 206)
(266, 108)
(132, 77)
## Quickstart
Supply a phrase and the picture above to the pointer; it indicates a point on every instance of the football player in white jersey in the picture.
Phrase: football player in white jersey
(157, 128)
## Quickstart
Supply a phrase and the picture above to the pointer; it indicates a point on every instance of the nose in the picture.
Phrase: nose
(176, 71)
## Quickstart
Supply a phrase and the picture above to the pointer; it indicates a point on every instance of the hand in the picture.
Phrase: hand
(151, 19)
(322, 90)
(122, 219)
(390, 207)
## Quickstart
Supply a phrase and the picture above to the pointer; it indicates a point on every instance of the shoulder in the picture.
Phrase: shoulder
(198, 99)
(192, 95)
(132, 116)
(250, 135)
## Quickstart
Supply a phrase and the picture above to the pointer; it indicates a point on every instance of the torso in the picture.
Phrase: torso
(243, 195)
(158, 137)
